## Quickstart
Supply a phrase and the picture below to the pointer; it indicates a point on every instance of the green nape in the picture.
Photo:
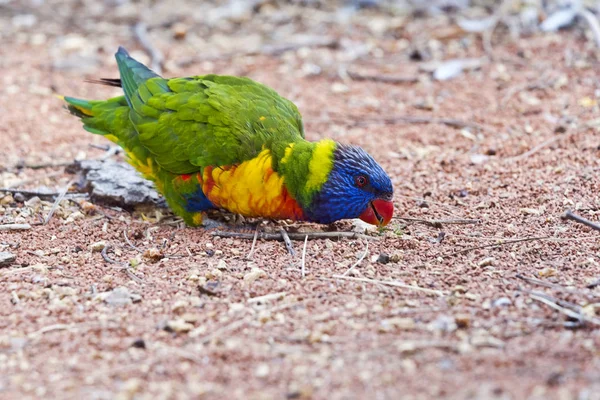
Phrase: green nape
(305, 167)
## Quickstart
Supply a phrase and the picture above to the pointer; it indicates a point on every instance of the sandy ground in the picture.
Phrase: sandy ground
(201, 320)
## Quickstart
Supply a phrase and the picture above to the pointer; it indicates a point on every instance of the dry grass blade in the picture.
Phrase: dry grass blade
(15, 227)
(502, 243)
(356, 76)
(253, 247)
(129, 242)
(287, 241)
(547, 300)
(407, 119)
(362, 257)
(60, 197)
(387, 283)
(437, 223)
(304, 257)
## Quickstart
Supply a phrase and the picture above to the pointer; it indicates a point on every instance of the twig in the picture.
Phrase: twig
(536, 148)
(42, 195)
(14, 227)
(104, 254)
(539, 282)
(52, 164)
(437, 223)
(381, 78)
(592, 21)
(304, 256)
(251, 252)
(140, 31)
(287, 241)
(124, 266)
(362, 257)
(388, 283)
(60, 197)
(551, 302)
(295, 235)
(581, 220)
(129, 242)
(529, 239)
(50, 328)
(267, 297)
(454, 123)
(270, 50)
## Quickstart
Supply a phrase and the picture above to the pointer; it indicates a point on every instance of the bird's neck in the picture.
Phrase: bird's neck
(305, 167)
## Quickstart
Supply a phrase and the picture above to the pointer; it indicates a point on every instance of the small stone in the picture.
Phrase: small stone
(462, 320)
(531, 211)
(383, 258)
(397, 323)
(179, 326)
(153, 254)
(262, 371)
(486, 262)
(19, 197)
(338, 87)
(222, 265)
(214, 273)
(547, 272)
(33, 202)
(253, 275)
(6, 258)
(98, 246)
(8, 199)
(502, 302)
(139, 344)
(179, 306)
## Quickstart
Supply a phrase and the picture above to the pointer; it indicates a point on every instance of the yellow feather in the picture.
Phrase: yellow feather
(320, 164)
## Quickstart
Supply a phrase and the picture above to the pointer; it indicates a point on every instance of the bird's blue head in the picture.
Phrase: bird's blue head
(356, 187)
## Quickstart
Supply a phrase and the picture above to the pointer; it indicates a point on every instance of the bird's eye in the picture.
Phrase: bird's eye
(361, 180)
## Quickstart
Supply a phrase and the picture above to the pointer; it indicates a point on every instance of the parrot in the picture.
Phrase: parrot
(230, 143)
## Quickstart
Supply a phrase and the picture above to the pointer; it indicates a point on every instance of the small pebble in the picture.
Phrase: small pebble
(6, 258)
(98, 246)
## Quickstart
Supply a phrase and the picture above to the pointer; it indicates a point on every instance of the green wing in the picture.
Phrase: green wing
(190, 123)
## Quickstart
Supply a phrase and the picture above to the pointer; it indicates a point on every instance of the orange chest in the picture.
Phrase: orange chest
(251, 189)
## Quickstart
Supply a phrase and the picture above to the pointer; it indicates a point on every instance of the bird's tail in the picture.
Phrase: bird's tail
(110, 118)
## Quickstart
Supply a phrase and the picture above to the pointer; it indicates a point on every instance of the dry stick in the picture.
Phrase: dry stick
(140, 31)
(274, 50)
(388, 283)
(41, 195)
(356, 76)
(304, 256)
(581, 220)
(61, 195)
(568, 312)
(590, 18)
(129, 242)
(539, 282)
(295, 235)
(15, 227)
(535, 149)
(251, 252)
(124, 267)
(53, 164)
(454, 123)
(287, 241)
(439, 222)
(362, 257)
(529, 239)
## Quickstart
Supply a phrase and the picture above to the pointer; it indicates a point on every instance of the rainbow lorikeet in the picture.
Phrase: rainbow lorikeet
(231, 143)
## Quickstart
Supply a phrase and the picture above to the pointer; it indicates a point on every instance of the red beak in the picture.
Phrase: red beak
(379, 212)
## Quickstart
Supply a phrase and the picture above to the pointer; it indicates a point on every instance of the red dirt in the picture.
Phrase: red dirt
(485, 337)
